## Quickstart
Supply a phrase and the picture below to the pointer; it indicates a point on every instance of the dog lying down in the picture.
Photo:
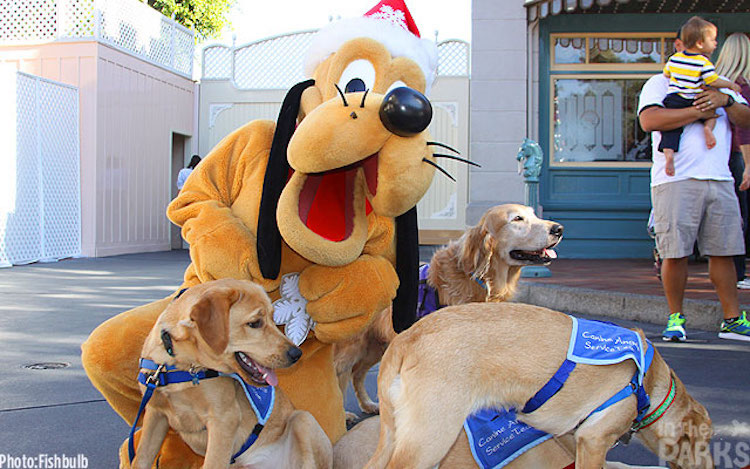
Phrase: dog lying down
(224, 346)
(469, 357)
(484, 264)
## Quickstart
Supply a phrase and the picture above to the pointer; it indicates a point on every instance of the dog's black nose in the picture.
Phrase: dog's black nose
(294, 353)
(556, 230)
(405, 111)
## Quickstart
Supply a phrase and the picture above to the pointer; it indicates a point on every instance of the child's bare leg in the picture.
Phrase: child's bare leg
(669, 166)
(708, 131)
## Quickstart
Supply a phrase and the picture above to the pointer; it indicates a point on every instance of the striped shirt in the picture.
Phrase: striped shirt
(687, 72)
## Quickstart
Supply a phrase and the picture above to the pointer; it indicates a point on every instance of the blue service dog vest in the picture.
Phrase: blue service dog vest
(495, 436)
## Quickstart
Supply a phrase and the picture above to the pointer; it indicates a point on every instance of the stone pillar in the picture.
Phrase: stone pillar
(498, 103)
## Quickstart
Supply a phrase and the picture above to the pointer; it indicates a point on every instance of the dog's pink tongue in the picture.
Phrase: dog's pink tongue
(270, 376)
(550, 253)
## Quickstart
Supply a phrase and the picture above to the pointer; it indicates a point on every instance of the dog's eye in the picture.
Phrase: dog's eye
(518, 218)
(255, 324)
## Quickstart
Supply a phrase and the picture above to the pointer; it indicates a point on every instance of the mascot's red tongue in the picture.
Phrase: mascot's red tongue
(326, 202)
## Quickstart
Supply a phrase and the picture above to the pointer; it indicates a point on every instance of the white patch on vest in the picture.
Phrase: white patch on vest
(290, 310)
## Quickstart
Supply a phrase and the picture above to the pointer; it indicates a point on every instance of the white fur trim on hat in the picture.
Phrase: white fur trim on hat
(398, 41)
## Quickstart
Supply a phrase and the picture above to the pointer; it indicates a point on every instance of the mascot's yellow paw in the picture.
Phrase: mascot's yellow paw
(345, 298)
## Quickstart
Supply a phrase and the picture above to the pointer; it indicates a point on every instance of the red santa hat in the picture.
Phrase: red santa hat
(390, 23)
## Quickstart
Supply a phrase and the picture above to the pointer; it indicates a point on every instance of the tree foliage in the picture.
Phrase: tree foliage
(206, 18)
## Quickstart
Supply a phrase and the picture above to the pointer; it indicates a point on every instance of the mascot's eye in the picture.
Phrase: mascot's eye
(518, 218)
(358, 76)
(255, 324)
(355, 85)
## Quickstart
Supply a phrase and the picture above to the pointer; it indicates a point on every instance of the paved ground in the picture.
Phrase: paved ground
(47, 310)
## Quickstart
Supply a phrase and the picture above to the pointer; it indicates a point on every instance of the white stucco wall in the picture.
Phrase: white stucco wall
(498, 105)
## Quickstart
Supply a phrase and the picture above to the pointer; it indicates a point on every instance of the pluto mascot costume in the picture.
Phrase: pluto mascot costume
(323, 200)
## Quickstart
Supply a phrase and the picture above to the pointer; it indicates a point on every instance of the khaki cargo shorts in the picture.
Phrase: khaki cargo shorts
(700, 210)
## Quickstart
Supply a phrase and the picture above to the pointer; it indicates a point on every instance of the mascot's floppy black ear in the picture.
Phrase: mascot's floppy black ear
(407, 268)
(277, 171)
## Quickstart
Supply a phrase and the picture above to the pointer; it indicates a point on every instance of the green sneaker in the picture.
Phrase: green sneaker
(674, 331)
(739, 329)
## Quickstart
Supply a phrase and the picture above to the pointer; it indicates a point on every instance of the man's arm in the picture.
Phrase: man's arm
(745, 185)
(711, 99)
(657, 118)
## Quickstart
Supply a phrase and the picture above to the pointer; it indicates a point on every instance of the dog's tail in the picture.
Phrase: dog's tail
(389, 388)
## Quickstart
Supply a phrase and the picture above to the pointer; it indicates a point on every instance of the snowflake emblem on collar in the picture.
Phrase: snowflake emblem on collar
(396, 17)
(290, 310)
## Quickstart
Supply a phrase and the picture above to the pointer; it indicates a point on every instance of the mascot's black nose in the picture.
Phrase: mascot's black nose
(556, 230)
(405, 111)
(293, 353)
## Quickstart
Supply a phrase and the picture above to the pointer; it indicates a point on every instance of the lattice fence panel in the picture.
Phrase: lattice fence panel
(273, 63)
(76, 18)
(130, 25)
(28, 20)
(60, 172)
(277, 63)
(453, 58)
(42, 221)
(217, 63)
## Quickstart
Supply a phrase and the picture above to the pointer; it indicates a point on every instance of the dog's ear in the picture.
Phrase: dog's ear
(211, 314)
(268, 241)
(407, 268)
(473, 248)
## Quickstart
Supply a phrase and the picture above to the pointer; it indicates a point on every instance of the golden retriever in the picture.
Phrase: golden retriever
(227, 326)
(466, 357)
(483, 265)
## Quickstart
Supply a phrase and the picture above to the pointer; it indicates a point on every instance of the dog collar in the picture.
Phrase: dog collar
(661, 409)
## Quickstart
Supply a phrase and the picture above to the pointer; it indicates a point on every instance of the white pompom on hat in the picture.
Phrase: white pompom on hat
(390, 23)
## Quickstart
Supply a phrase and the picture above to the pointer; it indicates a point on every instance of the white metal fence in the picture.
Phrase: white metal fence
(276, 62)
(40, 201)
(128, 25)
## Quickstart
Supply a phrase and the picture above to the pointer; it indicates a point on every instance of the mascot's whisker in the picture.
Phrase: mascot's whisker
(362, 104)
(342, 95)
(438, 144)
(457, 158)
(439, 168)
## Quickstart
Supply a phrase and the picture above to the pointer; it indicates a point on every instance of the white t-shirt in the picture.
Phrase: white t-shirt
(694, 160)
(182, 177)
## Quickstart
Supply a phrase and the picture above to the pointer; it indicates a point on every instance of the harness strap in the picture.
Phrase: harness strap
(633, 387)
(551, 388)
(131, 437)
(249, 442)
(164, 375)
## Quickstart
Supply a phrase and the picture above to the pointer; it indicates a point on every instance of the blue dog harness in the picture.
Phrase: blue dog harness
(601, 343)
(261, 398)
(496, 437)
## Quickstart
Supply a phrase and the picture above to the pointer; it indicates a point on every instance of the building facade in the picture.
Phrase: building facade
(567, 73)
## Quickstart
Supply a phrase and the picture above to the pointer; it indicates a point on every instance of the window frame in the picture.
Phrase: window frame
(601, 71)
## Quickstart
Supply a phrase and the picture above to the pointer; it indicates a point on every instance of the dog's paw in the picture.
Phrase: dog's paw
(351, 417)
(370, 407)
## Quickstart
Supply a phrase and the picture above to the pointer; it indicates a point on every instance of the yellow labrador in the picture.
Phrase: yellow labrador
(439, 371)
(226, 326)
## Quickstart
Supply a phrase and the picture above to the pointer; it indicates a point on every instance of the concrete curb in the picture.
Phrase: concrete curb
(702, 314)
